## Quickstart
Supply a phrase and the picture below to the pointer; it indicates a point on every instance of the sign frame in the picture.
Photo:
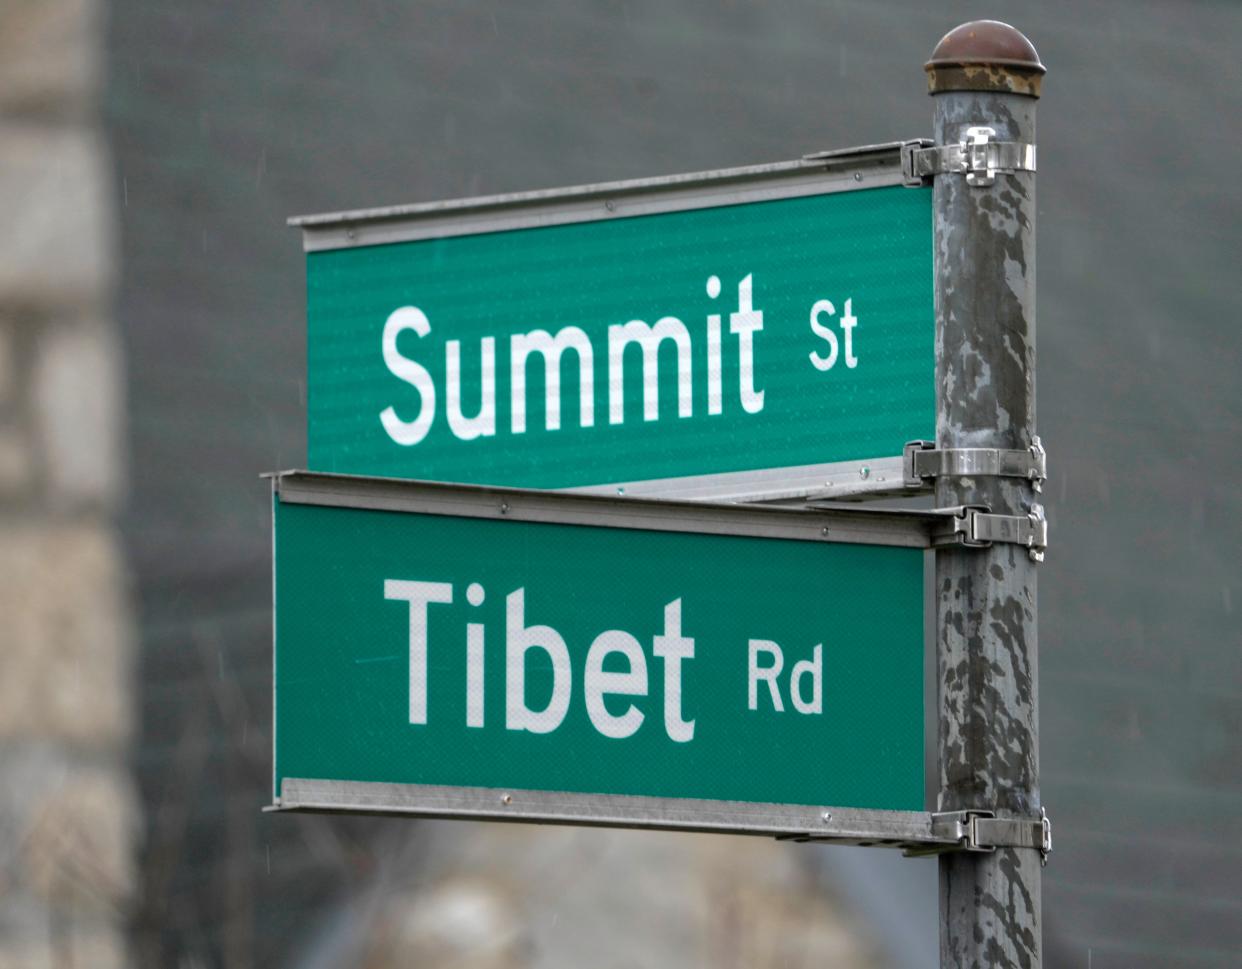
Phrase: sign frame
(821, 173)
(914, 529)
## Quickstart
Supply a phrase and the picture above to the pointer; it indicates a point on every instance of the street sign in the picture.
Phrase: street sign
(763, 332)
(467, 651)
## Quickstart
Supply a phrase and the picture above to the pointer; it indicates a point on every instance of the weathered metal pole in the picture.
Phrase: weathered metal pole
(987, 75)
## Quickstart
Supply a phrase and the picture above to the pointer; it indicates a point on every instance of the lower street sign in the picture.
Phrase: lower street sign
(467, 651)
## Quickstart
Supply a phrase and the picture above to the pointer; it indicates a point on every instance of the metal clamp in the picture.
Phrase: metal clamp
(981, 830)
(976, 156)
(923, 462)
(974, 526)
(908, 151)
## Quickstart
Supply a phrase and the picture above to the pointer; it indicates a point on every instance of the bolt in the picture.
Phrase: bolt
(350, 234)
(504, 508)
(620, 491)
(826, 817)
(610, 205)
(824, 531)
(506, 799)
(864, 472)
(858, 176)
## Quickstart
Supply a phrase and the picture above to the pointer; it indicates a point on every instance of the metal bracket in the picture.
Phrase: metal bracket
(975, 527)
(922, 462)
(910, 149)
(976, 156)
(981, 830)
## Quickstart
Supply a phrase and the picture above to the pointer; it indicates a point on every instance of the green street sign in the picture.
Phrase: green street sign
(467, 651)
(752, 333)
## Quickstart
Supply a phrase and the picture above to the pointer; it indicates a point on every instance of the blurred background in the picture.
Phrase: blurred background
(151, 365)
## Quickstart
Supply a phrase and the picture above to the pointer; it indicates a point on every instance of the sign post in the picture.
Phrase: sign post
(985, 80)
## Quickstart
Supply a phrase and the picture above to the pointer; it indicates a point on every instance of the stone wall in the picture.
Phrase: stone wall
(68, 811)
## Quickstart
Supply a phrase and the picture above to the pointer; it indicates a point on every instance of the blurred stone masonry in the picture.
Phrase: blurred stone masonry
(68, 810)
(500, 896)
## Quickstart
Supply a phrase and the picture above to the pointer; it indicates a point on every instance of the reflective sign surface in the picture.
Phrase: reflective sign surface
(532, 655)
(775, 334)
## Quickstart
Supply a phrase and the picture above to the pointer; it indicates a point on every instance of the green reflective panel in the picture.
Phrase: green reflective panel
(768, 335)
(491, 653)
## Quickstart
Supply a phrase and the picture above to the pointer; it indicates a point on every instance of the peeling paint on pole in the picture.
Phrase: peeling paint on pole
(987, 74)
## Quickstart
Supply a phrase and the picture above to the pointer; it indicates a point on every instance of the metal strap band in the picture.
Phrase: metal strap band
(981, 830)
(975, 527)
(977, 157)
(1009, 833)
(923, 461)
(963, 158)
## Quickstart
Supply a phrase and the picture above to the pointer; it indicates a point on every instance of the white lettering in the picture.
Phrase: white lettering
(482, 424)
(407, 433)
(419, 595)
(714, 394)
(474, 660)
(848, 322)
(521, 345)
(814, 668)
(474, 674)
(766, 673)
(519, 639)
(745, 323)
(649, 339)
(673, 647)
(825, 332)
(597, 682)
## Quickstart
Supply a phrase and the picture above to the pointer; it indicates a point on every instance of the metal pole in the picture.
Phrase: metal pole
(986, 74)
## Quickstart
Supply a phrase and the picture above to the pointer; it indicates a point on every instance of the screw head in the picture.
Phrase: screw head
(506, 799)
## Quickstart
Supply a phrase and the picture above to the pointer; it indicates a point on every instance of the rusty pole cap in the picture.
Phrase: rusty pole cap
(985, 55)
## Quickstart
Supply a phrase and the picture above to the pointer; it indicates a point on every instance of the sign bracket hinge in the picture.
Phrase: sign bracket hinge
(974, 526)
(980, 830)
(922, 462)
(976, 156)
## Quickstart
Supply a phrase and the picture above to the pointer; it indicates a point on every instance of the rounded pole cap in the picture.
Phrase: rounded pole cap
(985, 55)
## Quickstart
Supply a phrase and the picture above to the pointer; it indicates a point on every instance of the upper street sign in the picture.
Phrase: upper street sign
(754, 333)
(483, 652)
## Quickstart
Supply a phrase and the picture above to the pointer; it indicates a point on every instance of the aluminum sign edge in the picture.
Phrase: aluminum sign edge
(852, 525)
(852, 169)
(859, 826)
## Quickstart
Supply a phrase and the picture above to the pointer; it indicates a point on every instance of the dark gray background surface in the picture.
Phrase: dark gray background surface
(227, 117)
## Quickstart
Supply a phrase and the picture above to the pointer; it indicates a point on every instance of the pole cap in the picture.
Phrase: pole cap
(985, 55)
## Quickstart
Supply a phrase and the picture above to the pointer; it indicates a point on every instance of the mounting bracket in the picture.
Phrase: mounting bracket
(974, 526)
(976, 156)
(982, 830)
(922, 461)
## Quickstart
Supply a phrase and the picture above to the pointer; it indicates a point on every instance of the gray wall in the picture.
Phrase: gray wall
(226, 117)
